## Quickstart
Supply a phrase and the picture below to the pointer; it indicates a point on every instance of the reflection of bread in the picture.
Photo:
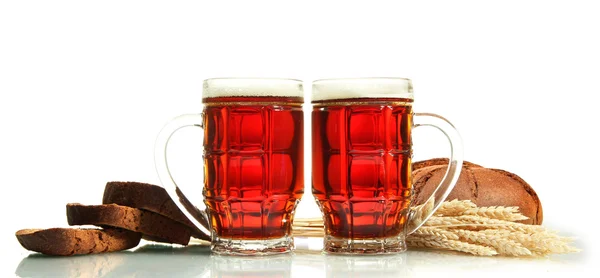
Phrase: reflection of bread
(100, 265)
(155, 226)
(483, 186)
(149, 197)
(149, 260)
(71, 241)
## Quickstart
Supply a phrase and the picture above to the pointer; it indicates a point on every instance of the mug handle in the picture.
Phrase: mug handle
(420, 214)
(195, 215)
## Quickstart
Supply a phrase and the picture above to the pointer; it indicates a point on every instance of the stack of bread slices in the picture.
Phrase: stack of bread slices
(129, 212)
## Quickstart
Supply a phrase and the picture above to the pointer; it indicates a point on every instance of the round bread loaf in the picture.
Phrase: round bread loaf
(483, 186)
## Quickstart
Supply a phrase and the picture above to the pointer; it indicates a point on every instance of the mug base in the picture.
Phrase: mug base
(376, 246)
(252, 247)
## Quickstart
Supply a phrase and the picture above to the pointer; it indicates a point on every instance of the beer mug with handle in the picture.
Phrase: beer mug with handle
(253, 163)
(361, 163)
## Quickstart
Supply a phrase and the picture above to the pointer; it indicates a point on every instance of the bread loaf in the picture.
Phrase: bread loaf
(75, 241)
(484, 186)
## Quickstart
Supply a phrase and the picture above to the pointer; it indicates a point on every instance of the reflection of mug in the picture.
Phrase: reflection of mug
(268, 267)
(253, 162)
(365, 266)
(362, 150)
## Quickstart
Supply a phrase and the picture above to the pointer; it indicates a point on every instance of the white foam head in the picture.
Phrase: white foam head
(374, 87)
(252, 87)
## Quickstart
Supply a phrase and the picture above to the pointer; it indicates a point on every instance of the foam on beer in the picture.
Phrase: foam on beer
(252, 87)
(349, 88)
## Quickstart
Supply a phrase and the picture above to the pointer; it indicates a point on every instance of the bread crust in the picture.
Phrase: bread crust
(483, 186)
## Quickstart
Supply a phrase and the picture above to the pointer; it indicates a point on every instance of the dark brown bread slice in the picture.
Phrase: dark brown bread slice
(75, 241)
(483, 186)
(150, 197)
(148, 223)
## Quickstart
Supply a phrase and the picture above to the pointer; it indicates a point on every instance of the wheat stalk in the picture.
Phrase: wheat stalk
(464, 227)
(502, 244)
(435, 233)
(455, 207)
(500, 213)
(476, 222)
(454, 245)
(540, 243)
(446, 221)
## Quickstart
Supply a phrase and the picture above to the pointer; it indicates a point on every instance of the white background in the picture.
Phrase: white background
(86, 85)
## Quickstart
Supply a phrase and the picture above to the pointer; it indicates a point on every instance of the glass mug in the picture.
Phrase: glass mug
(361, 163)
(253, 163)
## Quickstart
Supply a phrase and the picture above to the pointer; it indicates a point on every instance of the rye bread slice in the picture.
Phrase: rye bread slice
(76, 241)
(152, 198)
(148, 223)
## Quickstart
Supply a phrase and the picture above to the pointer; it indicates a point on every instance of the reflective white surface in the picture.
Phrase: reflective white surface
(86, 86)
(150, 260)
